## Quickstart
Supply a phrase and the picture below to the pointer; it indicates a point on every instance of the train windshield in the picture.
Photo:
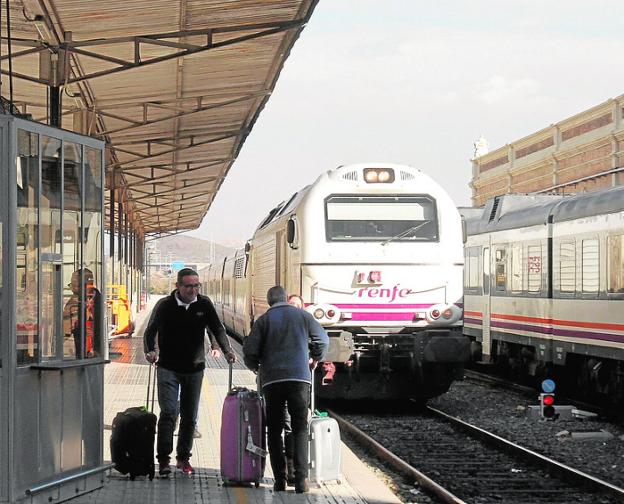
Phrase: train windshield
(381, 218)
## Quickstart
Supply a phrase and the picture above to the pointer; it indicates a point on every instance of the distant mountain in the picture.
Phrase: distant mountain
(188, 250)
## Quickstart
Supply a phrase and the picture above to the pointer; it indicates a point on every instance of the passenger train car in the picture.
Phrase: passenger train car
(375, 250)
(544, 288)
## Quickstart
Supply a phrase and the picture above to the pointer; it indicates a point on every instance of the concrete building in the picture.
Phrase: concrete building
(584, 152)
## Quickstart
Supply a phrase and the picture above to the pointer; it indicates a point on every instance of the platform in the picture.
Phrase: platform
(126, 385)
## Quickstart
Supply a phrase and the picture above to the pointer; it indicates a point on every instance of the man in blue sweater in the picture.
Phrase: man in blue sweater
(180, 320)
(284, 345)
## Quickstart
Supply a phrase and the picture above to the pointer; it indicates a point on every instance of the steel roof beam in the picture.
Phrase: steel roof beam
(142, 157)
(200, 108)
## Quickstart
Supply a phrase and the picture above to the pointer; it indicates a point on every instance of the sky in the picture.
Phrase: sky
(417, 83)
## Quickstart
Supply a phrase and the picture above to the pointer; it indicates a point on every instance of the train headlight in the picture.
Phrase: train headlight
(371, 176)
(325, 314)
(378, 175)
(444, 314)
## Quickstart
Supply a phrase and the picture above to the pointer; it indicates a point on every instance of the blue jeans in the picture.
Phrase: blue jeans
(296, 396)
(178, 393)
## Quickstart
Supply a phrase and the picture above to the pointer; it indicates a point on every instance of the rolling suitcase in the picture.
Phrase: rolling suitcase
(324, 451)
(132, 438)
(243, 436)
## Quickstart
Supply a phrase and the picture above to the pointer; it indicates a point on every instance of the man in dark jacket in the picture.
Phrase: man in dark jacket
(284, 345)
(180, 320)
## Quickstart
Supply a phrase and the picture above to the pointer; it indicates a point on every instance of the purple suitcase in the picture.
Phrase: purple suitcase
(243, 437)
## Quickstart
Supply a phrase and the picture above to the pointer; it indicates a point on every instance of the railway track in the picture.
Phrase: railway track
(456, 462)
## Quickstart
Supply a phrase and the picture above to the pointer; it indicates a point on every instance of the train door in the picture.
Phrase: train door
(486, 344)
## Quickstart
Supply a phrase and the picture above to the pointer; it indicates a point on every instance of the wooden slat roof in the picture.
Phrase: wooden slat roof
(173, 86)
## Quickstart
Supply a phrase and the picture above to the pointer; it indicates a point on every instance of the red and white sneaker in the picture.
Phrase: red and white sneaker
(185, 466)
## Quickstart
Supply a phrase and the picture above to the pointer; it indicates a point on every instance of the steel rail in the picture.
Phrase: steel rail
(552, 466)
(396, 462)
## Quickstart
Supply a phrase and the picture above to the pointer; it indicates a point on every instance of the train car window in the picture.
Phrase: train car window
(615, 264)
(472, 272)
(27, 297)
(466, 268)
(486, 271)
(516, 268)
(534, 268)
(501, 270)
(590, 266)
(381, 218)
(567, 267)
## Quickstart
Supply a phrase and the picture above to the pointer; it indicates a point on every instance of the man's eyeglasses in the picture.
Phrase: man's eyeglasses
(191, 286)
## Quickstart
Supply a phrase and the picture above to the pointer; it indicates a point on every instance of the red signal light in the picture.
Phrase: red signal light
(547, 406)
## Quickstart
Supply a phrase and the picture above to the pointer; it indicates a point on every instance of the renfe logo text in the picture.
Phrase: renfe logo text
(384, 293)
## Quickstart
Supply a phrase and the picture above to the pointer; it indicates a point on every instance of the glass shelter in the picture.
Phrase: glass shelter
(52, 339)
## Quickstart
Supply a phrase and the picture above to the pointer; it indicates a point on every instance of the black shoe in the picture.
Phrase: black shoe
(279, 485)
(164, 469)
(302, 486)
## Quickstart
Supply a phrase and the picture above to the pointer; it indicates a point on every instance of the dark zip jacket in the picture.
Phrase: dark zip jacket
(280, 343)
(181, 333)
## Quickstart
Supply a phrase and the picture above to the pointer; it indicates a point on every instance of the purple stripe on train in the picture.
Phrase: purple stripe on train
(560, 332)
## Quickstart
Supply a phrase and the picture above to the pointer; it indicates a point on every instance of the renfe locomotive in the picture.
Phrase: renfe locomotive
(376, 252)
(544, 288)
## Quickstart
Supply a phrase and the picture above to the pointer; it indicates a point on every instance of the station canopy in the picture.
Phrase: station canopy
(172, 86)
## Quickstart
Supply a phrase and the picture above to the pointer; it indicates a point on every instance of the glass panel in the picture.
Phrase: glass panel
(92, 252)
(615, 261)
(72, 205)
(380, 218)
(534, 267)
(590, 266)
(51, 239)
(50, 309)
(501, 270)
(27, 227)
(567, 267)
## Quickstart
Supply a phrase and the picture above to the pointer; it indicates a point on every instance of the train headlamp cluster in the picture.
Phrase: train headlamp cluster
(325, 314)
(378, 175)
(444, 314)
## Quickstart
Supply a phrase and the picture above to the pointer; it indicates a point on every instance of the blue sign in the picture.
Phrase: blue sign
(548, 386)
(177, 265)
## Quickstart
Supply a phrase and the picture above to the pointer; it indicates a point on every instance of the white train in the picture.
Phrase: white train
(375, 251)
(544, 288)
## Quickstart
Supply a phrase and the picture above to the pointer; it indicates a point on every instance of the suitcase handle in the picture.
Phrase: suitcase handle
(231, 371)
(151, 383)
(312, 390)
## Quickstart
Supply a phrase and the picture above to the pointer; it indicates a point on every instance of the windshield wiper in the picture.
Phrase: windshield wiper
(406, 232)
